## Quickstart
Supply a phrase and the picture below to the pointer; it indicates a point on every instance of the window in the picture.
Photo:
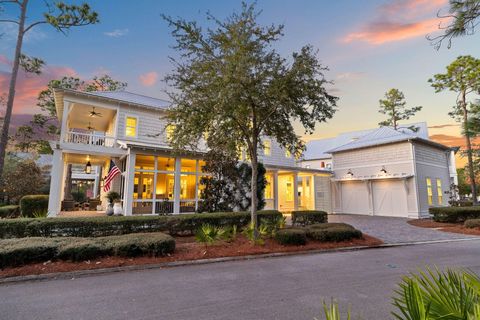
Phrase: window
(322, 164)
(439, 191)
(289, 189)
(269, 187)
(267, 148)
(288, 154)
(131, 127)
(169, 131)
(429, 192)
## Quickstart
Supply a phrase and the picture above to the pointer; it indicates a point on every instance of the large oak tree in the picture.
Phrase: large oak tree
(232, 88)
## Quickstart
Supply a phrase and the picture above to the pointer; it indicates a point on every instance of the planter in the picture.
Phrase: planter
(117, 209)
(109, 210)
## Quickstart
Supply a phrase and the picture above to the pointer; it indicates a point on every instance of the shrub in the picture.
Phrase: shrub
(208, 234)
(291, 236)
(185, 224)
(15, 252)
(11, 211)
(454, 214)
(304, 218)
(33, 203)
(472, 223)
(333, 232)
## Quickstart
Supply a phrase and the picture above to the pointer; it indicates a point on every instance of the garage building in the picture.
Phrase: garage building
(387, 172)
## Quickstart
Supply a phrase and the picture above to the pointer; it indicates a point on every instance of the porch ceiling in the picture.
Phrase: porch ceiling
(79, 117)
(83, 158)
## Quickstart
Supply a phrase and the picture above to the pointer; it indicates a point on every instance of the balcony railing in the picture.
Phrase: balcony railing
(90, 139)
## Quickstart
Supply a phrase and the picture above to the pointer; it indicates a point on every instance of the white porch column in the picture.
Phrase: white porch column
(275, 190)
(54, 198)
(177, 189)
(128, 187)
(295, 191)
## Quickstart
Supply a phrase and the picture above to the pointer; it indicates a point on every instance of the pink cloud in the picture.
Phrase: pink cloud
(4, 60)
(148, 79)
(29, 86)
(399, 20)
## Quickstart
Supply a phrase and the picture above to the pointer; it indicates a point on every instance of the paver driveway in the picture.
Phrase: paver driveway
(394, 230)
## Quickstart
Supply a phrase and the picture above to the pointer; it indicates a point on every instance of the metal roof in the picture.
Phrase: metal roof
(382, 136)
(320, 149)
(134, 98)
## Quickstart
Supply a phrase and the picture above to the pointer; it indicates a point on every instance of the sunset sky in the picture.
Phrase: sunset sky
(369, 46)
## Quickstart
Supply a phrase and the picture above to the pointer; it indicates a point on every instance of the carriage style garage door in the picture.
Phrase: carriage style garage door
(355, 198)
(389, 198)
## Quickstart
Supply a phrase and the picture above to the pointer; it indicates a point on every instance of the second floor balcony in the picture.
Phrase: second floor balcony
(90, 138)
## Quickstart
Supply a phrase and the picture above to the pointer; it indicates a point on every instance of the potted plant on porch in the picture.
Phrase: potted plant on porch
(114, 205)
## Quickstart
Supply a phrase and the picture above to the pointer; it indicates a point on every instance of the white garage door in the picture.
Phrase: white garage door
(355, 198)
(389, 198)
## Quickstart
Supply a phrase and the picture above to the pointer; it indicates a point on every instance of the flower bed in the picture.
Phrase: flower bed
(186, 249)
(446, 227)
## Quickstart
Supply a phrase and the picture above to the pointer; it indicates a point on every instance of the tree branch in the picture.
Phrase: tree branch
(33, 25)
(10, 21)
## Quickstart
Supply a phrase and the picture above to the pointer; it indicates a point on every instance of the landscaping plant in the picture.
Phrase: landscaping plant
(249, 233)
(332, 312)
(208, 234)
(432, 294)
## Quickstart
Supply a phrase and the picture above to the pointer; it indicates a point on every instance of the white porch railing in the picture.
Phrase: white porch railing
(90, 139)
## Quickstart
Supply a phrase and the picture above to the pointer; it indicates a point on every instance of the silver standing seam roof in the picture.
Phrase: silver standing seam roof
(134, 98)
(323, 148)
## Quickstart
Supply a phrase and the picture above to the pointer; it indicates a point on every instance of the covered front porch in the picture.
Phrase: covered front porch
(291, 189)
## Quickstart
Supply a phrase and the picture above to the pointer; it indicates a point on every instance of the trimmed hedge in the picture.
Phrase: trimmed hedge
(183, 224)
(333, 232)
(16, 252)
(291, 236)
(33, 203)
(454, 214)
(305, 218)
(472, 223)
(11, 211)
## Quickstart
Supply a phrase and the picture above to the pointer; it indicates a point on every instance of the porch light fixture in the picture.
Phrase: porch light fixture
(350, 173)
(383, 170)
(88, 168)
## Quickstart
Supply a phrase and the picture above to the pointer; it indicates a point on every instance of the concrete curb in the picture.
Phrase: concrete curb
(81, 273)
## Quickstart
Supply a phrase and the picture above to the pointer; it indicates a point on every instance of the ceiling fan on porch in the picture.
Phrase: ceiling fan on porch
(93, 113)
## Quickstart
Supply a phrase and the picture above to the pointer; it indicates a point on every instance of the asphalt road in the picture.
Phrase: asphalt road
(274, 288)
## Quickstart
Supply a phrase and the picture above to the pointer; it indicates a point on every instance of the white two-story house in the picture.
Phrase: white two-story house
(129, 129)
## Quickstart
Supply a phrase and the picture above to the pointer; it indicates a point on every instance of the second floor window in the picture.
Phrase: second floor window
(170, 130)
(131, 127)
(267, 148)
(288, 154)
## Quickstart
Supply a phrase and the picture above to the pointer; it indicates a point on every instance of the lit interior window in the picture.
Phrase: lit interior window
(267, 148)
(429, 191)
(131, 127)
(439, 191)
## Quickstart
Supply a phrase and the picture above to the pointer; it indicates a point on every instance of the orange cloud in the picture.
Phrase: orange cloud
(29, 86)
(399, 20)
(148, 79)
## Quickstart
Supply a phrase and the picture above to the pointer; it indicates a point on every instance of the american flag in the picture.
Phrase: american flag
(112, 173)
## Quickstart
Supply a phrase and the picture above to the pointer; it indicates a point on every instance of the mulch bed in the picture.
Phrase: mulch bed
(446, 227)
(186, 249)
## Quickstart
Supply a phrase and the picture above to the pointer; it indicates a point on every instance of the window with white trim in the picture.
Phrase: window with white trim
(131, 126)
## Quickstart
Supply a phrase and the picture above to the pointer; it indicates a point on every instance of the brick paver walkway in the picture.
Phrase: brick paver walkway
(394, 230)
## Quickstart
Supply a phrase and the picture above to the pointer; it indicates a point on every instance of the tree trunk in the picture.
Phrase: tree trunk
(13, 82)
(471, 171)
(253, 206)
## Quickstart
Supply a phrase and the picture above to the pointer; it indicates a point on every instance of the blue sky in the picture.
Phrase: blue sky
(369, 46)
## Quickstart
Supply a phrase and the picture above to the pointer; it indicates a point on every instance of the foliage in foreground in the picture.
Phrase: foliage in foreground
(431, 294)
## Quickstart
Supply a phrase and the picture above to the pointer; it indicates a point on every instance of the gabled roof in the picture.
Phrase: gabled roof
(133, 98)
(115, 96)
(321, 149)
(382, 136)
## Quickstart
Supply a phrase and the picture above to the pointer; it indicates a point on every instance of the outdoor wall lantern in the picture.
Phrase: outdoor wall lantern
(88, 168)
(350, 173)
(383, 170)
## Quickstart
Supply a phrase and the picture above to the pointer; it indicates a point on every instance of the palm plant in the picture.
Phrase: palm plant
(208, 234)
(332, 312)
(249, 232)
(433, 294)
